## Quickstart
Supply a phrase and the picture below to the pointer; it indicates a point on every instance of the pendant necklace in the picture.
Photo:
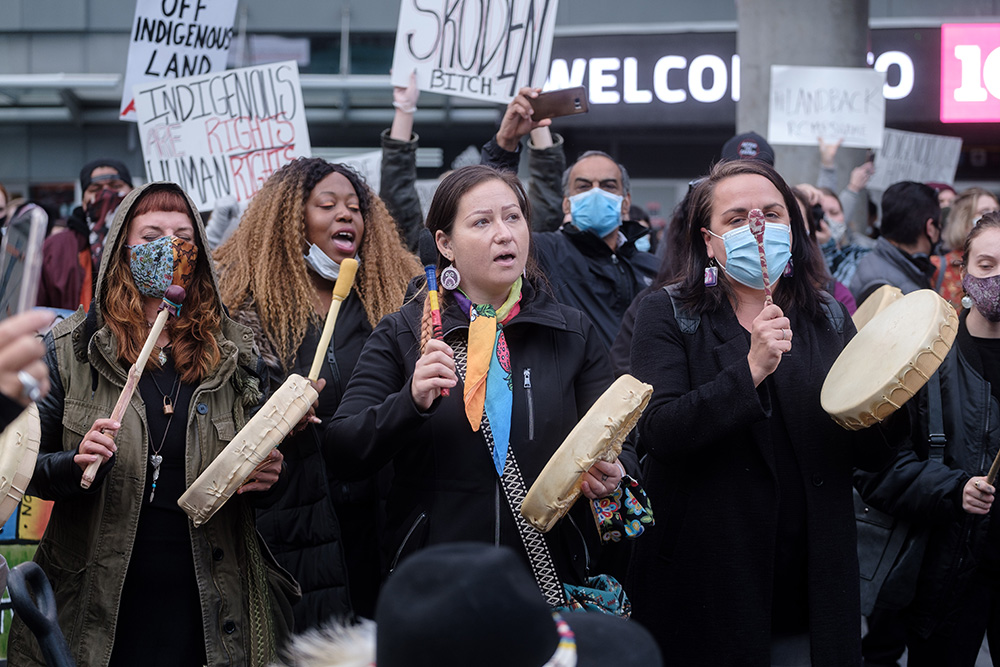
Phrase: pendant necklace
(168, 409)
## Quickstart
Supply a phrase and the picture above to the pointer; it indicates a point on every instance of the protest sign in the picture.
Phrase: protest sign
(223, 133)
(484, 50)
(368, 164)
(174, 39)
(832, 103)
(913, 156)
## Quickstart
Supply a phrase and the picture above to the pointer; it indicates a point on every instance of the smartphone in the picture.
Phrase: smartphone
(565, 102)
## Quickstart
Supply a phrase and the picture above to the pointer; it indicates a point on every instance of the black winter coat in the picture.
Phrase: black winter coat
(586, 274)
(302, 528)
(702, 578)
(445, 487)
(929, 493)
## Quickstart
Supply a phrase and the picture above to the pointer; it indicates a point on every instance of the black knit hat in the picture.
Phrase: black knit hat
(748, 146)
(123, 173)
(475, 604)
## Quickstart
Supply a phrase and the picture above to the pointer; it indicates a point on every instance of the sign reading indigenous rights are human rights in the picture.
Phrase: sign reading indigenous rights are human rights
(176, 38)
(223, 133)
(481, 49)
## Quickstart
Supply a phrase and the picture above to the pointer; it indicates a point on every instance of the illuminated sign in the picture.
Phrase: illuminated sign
(693, 79)
(970, 73)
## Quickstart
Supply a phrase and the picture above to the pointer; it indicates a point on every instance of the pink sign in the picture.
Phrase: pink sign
(970, 73)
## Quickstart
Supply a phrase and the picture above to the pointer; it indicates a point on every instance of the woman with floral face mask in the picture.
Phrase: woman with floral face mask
(135, 582)
(755, 562)
(949, 497)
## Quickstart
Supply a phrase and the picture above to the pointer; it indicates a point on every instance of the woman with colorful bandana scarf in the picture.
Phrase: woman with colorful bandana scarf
(521, 371)
(135, 582)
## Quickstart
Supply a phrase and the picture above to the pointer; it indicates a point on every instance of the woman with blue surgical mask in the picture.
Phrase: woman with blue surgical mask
(739, 448)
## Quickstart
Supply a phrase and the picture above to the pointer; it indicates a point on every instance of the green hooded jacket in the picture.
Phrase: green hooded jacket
(88, 542)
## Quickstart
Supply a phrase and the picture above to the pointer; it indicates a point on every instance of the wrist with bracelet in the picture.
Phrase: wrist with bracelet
(402, 106)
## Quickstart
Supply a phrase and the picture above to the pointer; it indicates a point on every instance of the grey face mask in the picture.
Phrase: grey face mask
(321, 263)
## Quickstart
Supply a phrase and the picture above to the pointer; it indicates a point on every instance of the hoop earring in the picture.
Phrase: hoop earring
(450, 278)
(967, 302)
(711, 274)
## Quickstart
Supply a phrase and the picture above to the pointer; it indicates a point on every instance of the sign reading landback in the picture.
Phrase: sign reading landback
(480, 49)
(223, 133)
(832, 103)
(174, 39)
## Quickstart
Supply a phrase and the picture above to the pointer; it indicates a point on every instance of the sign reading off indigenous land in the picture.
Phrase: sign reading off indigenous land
(174, 39)
(913, 156)
(832, 103)
(481, 49)
(223, 133)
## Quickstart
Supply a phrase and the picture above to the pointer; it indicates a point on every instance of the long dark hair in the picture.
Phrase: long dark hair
(800, 291)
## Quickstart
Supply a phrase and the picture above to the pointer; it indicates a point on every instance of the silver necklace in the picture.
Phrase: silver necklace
(168, 409)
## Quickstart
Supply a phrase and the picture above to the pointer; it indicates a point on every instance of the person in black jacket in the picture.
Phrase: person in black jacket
(753, 559)
(307, 218)
(546, 368)
(958, 586)
(591, 261)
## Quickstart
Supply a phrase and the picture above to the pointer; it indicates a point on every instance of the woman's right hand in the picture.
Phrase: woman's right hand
(770, 337)
(435, 370)
(97, 445)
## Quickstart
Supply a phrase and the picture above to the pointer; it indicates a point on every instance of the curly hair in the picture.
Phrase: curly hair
(262, 265)
(193, 334)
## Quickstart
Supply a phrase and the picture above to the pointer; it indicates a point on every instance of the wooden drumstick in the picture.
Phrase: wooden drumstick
(345, 279)
(994, 469)
(756, 221)
(171, 305)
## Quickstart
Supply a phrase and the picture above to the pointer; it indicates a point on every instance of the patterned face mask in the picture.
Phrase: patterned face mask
(161, 263)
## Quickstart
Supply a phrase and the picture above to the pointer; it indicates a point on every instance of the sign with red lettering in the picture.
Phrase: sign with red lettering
(176, 38)
(480, 49)
(970, 73)
(223, 133)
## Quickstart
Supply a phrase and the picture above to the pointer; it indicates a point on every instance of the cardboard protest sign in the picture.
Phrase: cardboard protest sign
(482, 49)
(913, 156)
(369, 165)
(174, 39)
(831, 103)
(223, 133)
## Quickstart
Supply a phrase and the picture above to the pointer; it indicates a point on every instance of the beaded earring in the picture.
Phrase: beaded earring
(450, 278)
(967, 302)
(789, 269)
(711, 274)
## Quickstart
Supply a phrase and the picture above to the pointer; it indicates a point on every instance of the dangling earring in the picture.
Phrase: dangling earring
(967, 302)
(711, 274)
(450, 278)
(789, 269)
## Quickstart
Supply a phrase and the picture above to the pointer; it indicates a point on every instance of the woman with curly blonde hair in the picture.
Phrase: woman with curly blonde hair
(277, 276)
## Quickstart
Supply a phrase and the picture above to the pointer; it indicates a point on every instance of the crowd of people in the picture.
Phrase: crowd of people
(725, 529)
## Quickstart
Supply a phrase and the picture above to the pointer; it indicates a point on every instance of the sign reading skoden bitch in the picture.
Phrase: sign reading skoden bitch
(482, 49)
(176, 38)
(223, 133)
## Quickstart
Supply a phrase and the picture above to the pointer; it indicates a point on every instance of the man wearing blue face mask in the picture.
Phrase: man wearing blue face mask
(591, 261)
